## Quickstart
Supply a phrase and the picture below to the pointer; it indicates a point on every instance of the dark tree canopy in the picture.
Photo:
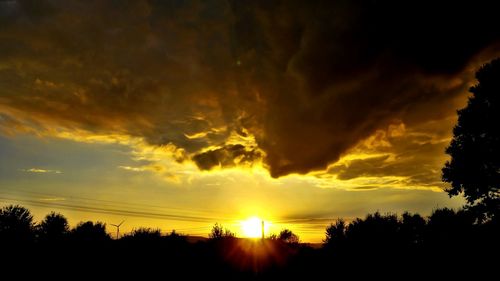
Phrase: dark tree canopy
(219, 232)
(412, 228)
(474, 168)
(287, 236)
(16, 223)
(53, 227)
(335, 233)
(90, 232)
(375, 231)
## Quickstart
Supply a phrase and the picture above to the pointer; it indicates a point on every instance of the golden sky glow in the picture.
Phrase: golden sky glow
(252, 227)
(181, 115)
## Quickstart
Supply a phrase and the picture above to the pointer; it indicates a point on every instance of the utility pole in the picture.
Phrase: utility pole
(262, 229)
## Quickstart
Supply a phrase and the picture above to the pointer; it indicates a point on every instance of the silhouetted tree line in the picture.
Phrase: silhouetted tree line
(406, 241)
(17, 226)
(444, 229)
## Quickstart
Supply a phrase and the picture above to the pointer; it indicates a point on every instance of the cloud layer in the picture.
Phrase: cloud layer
(306, 81)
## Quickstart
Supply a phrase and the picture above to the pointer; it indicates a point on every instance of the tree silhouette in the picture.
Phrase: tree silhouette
(412, 228)
(287, 236)
(447, 227)
(376, 231)
(335, 233)
(54, 227)
(474, 168)
(219, 232)
(16, 223)
(90, 232)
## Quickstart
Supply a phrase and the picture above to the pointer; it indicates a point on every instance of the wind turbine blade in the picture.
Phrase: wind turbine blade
(114, 225)
(121, 223)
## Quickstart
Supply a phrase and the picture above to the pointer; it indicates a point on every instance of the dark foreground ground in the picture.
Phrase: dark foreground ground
(245, 259)
(447, 245)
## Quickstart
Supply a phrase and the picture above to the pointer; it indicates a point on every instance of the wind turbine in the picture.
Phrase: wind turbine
(117, 229)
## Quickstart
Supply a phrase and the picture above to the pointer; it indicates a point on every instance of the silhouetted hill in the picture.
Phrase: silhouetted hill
(195, 239)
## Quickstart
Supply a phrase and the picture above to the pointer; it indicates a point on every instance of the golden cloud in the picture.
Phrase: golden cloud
(42, 171)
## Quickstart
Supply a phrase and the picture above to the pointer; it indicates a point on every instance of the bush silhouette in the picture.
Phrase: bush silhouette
(175, 237)
(219, 232)
(144, 234)
(287, 236)
(16, 224)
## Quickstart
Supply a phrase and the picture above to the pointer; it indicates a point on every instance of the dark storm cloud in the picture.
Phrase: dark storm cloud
(360, 66)
(227, 156)
(309, 79)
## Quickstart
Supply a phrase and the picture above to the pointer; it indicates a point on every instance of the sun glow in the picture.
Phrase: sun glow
(252, 227)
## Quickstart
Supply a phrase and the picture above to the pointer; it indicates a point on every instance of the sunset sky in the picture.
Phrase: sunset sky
(180, 114)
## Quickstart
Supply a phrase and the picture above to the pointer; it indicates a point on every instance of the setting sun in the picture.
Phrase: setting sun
(252, 227)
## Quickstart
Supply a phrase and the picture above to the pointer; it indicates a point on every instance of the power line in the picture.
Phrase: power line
(304, 225)
(114, 211)
(78, 198)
